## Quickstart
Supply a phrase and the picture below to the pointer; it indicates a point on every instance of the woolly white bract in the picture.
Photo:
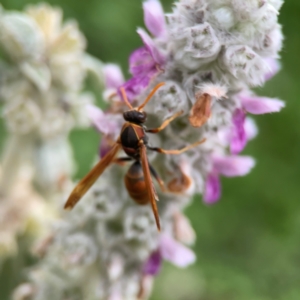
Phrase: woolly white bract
(43, 66)
(209, 54)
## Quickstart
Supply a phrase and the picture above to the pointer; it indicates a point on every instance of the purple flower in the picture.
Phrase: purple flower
(212, 191)
(252, 104)
(233, 165)
(113, 76)
(157, 56)
(174, 252)
(143, 68)
(140, 61)
(154, 17)
(229, 166)
(255, 105)
(260, 105)
(170, 250)
(153, 264)
(238, 135)
(144, 64)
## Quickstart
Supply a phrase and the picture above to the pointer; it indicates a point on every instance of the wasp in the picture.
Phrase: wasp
(133, 140)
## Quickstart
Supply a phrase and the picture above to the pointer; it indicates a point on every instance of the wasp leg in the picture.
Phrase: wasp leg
(123, 92)
(176, 151)
(165, 123)
(150, 95)
(158, 179)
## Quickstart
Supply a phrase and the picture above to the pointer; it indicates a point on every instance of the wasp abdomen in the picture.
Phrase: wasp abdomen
(136, 185)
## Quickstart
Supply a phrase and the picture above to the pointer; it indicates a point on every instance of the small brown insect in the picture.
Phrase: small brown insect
(134, 141)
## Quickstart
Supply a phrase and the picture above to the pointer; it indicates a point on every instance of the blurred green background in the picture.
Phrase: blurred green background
(248, 245)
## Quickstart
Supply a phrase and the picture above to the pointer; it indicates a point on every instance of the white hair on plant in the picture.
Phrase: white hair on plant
(42, 77)
(209, 54)
(43, 67)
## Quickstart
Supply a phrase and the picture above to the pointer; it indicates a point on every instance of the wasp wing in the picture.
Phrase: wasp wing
(149, 184)
(85, 183)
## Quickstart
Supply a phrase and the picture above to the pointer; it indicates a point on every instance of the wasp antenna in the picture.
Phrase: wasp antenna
(125, 97)
(151, 94)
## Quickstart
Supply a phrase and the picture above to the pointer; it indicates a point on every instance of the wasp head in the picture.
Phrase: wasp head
(135, 116)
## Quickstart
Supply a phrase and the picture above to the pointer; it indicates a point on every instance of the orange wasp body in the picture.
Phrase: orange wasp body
(134, 141)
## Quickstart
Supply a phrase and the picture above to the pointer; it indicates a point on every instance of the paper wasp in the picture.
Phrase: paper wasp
(134, 141)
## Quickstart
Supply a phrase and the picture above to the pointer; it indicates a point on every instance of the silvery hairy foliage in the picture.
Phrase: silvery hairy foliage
(209, 54)
(43, 67)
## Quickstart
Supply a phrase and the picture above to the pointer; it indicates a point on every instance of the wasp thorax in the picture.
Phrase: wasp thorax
(135, 116)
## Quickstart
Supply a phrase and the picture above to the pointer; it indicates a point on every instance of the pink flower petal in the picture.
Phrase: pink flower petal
(108, 124)
(273, 66)
(94, 113)
(231, 166)
(153, 265)
(260, 105)
(145, 63)
(238, 135)
(151, 47)
(212, 191)
(113, 76)
(175, 252)
(135, 85)
(141, 62)
(154, 17)
(250, 129)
